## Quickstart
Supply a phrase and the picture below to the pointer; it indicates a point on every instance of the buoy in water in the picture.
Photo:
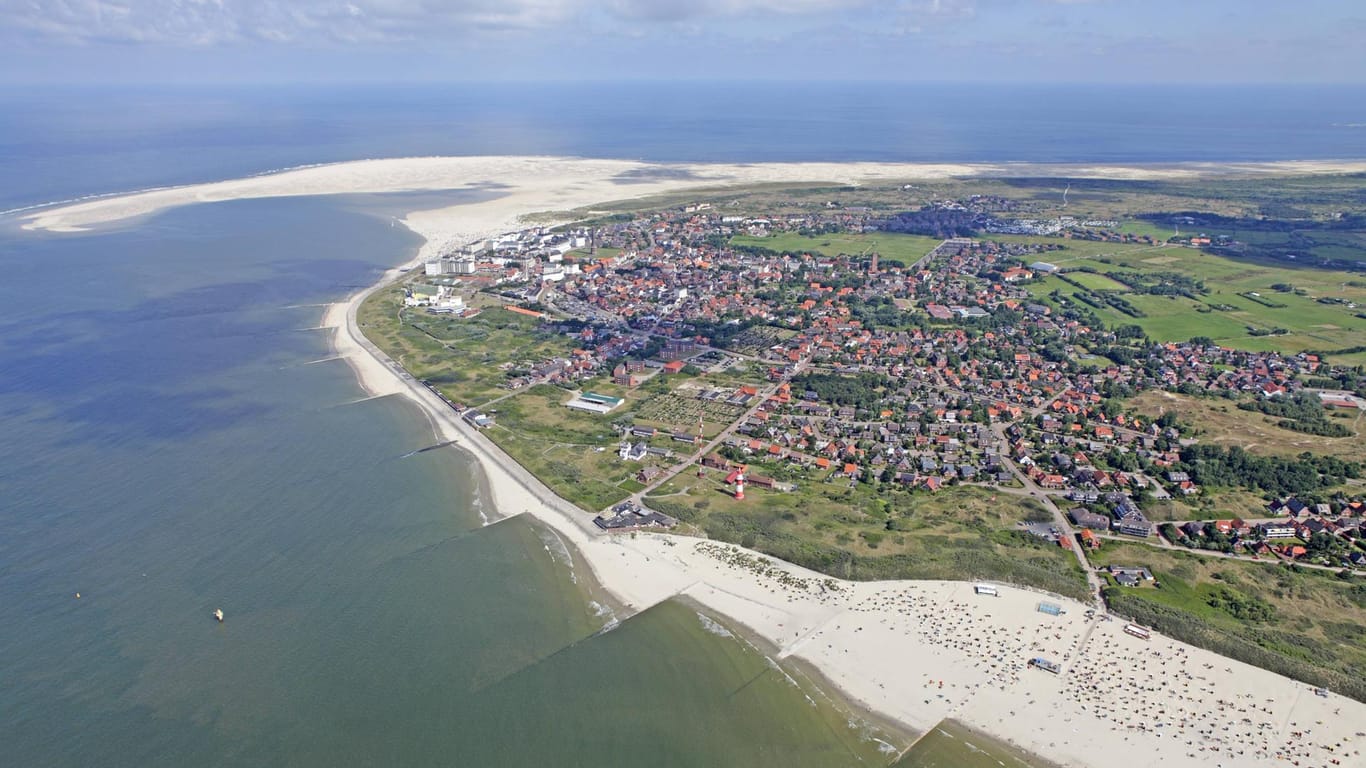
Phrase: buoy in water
(78, 595)
(218, 614)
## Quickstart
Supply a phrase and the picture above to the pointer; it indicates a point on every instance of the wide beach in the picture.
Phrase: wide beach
(915, 652)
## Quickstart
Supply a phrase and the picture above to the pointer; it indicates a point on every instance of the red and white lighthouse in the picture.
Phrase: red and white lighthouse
(740, 487)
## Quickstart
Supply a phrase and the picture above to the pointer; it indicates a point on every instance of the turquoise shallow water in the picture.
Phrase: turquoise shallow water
(175, 439)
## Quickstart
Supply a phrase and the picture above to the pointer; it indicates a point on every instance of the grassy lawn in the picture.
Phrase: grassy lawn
(1220, 422)
(1310, 625)
(906, 249)
(1096, 282)
(1222, 503)
(589, 479)
(467, 359)
(1355, 358)
(871, 532)
(601, 253)
(1138, 227)
(559, 446)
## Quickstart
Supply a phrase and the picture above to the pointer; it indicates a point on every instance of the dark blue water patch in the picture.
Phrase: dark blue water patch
(135, 333)
(150, 369)
(143, 413)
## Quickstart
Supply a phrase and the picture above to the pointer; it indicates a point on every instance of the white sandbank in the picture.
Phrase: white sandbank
(558, 183)
(914, 652)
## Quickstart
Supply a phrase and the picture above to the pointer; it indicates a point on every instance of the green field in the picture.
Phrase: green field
(467, 359)
(906, 249)
(599, 253)
(1096, 282)
(559, 445)
(1139, 227)
(875, 531)
(1221, 422)
(1229, 312)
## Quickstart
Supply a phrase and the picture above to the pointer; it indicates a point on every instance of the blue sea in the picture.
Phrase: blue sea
(175, 435)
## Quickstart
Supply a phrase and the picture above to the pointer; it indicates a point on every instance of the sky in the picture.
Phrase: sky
(1037, 41)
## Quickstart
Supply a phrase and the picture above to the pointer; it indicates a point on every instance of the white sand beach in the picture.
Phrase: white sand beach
(532, 184)
(915, 652)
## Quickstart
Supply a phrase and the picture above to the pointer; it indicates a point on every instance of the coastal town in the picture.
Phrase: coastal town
(876, 403)
(944, 371)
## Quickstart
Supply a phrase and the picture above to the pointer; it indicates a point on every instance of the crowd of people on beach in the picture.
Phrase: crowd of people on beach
(999, 650)
(1156, 690)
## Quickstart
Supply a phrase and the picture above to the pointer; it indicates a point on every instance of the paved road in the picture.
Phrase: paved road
(1059, 518)
(1158, 542)
(720, 439)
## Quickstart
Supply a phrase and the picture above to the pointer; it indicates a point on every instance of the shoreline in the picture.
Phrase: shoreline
(913, 653)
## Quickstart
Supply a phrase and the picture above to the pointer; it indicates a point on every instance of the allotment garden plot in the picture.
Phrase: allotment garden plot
(683, 407)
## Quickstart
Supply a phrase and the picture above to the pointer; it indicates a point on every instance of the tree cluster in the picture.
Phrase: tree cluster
(1216, 466)
(864, 390)
(1302, 413)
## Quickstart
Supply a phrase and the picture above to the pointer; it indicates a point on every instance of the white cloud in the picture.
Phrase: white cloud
(208, 22)
(200, 22)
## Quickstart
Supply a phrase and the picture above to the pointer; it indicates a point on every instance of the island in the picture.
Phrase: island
(1063, 462)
